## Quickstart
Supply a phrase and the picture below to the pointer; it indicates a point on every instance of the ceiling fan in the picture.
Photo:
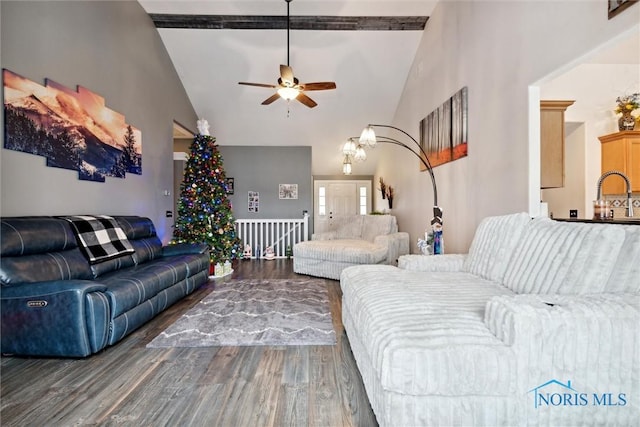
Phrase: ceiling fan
(289, 87)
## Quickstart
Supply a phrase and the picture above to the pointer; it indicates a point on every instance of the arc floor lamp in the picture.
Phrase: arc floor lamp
(368, 139)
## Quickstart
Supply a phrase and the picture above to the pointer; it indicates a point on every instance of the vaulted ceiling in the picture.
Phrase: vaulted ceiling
(365, 46)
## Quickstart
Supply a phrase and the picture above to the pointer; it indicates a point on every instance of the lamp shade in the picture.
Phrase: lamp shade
(346, 165)
(349, 148)
(360, 155)
(368, 137)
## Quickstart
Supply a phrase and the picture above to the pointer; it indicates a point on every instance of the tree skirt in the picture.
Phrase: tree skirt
(255, 312)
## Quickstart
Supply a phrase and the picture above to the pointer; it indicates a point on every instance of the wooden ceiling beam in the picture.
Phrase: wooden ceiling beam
(268, 22)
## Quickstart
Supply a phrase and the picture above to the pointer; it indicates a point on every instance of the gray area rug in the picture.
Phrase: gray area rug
(255, 312)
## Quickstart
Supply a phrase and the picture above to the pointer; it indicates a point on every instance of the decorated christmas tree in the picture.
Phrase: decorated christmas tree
(204, 211)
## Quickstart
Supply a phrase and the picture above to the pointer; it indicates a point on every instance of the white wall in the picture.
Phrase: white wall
(497, 49)
(113, 49)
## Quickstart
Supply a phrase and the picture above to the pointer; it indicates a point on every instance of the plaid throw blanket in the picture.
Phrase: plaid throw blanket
(100, 237)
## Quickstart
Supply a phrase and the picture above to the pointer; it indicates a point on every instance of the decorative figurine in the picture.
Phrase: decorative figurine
(219, 270)
(247, 252)
(438, 240)
(268, 253)
(203, 127)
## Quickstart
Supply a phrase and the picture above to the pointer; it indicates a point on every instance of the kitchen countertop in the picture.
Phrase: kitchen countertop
(622, 220)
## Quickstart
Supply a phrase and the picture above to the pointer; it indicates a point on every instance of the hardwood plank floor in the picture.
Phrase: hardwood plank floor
(129, 384)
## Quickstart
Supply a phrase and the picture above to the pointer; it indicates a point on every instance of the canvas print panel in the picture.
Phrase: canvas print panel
(72, 129)
(443, 133)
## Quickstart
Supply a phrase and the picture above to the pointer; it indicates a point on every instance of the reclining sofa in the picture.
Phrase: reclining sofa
(62, 299)
(351, 240)
(539, 324)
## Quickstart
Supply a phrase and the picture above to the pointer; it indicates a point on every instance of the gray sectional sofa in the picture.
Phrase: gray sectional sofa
(539, 324)
(56, 302)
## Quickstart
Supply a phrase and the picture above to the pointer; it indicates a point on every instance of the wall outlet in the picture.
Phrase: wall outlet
(168, 214)
(573, 213)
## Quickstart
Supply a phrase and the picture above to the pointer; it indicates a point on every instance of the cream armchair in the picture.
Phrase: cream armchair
(351, 240)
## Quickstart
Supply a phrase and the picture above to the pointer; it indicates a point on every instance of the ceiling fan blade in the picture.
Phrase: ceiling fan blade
(257, 84)
(286, 73)
(306, 100)
(270, 99)
(318, 86)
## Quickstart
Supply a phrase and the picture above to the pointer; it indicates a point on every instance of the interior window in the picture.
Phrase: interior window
(322, 201)
(363, 200)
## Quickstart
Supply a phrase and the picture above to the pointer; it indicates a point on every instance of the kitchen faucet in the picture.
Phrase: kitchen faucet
(629, 212)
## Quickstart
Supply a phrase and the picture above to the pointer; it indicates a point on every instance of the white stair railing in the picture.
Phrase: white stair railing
(277, 233)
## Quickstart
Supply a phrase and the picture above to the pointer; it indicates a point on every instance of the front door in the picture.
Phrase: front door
(335, 198)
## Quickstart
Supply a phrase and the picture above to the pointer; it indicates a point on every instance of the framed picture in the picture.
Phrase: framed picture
(443, 133)
(254, 201)
(229, 183)
(614, 7)
(288, 191)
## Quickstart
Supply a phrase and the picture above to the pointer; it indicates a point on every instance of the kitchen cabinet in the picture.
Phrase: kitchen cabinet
(621, 151)
(552, 143)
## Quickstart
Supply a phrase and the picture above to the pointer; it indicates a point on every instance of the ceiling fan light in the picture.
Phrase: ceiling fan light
(368, 137)
(288, 93)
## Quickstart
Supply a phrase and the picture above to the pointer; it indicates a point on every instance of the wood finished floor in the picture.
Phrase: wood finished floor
(129, 384)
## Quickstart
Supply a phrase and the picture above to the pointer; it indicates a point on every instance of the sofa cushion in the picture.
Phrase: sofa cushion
(45, 242)
(355, 251)
(425, 333)
(625, 276)
(377, 225)
(142, 235)
(111, 265)
(563, 257)
(493, 244)
(133, 286)
(347, 227)
(136, 227)
(35, 235)
(64, 265)
(147, 249)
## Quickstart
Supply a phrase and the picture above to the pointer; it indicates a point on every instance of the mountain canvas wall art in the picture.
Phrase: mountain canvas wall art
(73, 129)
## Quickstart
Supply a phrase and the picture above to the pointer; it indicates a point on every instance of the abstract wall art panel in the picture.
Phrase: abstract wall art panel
(443, 133)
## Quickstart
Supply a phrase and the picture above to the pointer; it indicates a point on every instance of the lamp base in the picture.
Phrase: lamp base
(436, 227)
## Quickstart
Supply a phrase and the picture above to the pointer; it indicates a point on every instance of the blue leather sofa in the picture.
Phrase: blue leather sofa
(55, 303)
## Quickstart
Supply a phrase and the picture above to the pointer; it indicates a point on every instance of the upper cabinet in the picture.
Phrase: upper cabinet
(621, 151)
(552, 143)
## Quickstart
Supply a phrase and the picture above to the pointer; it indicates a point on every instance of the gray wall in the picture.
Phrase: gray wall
(113, 49)
(261, 169)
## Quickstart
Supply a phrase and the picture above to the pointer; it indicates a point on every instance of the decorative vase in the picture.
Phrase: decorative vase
(626, 122)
